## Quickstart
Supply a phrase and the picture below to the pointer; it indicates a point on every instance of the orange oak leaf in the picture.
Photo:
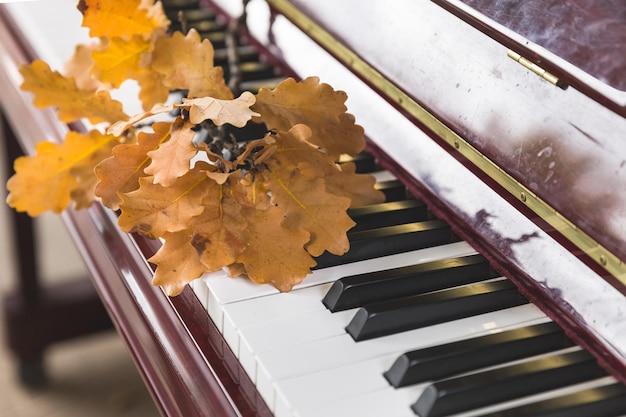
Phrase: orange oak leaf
(121, 59)
(122, 18)
(120, 173)
(219, 231)
(302, 195)
(177, 263)
(44, 181)
(172, 159)
(359, 188)
(186, 62)
(53, 89)
(154, 210)
(274, 254)
(152, 91)
(316, 105)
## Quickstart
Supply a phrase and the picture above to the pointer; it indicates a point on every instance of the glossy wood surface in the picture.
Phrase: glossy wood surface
(169, 338)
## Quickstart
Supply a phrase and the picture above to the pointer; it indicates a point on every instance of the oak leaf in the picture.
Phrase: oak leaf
(316, 105)
(152, 91)
(172, 159)
(218, 233)
(122, 18)
(303, 198)
(359, 188)
(186, 62)
(53, 89)
(177, 263)
(121, 59)
(120, 172)
(45, 181)
(235, 112)
(274, 254)
(154, 210)
(79, 67)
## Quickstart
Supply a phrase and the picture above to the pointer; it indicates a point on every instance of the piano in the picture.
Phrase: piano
(501, 119)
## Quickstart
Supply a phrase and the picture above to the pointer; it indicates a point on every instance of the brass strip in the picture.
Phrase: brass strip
(583, 241)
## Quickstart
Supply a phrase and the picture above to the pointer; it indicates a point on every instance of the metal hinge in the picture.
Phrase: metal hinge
(526, 63)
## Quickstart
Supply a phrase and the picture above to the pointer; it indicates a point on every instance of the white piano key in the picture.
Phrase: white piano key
(305, 359)
(290, 331)
(383, 175)
(224, 290)
(201, 290)
(386, 402)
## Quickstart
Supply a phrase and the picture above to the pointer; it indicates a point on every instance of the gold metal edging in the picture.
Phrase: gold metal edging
(584, 242)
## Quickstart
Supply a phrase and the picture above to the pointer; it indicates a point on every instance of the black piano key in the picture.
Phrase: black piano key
(357, 290)
(364, 162)
(394, 190)
(604, 401)
(245, 53)
(485, 388)
(390, 240)
(407, 313)
(454, 358)
(388, 214)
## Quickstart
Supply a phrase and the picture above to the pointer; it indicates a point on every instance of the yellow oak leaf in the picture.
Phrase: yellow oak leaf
(79, 67)
(122, 18)
(316, 105)
(274, 254)
(120, 173)
(186, 62)
(235, 112)
(177, 263)
(53, 89)
(154, 210)
(172, 159)
(84, 194)
(121, 59)
(44, 181)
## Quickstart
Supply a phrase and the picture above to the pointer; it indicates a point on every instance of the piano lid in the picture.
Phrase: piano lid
(581, 42)
(557, 151)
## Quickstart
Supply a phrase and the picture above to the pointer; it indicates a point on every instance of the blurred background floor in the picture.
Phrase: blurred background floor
(89, 377)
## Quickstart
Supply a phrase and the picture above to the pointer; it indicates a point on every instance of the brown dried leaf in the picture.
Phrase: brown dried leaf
(302, 195)
(359, 188)
(173, 158)
(235, 112)
(121, 172)
(177, 263)
(154, 210)
(186, 62)
(274, 254)
(316, 105)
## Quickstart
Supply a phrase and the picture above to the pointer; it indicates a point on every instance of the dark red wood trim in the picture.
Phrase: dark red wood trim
(166, 337)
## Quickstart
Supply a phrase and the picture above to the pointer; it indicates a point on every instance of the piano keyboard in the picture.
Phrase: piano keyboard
(411, 322)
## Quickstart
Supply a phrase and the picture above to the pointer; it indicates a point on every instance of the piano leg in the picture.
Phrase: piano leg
(37, 316)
